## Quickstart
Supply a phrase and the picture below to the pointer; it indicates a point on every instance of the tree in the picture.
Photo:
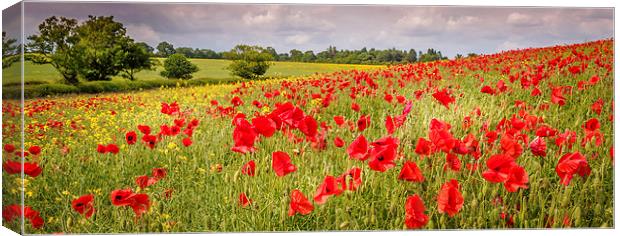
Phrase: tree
(296, 55)
(308, 56)
(55, 44)
(146, 47)
(165, 49)
(9, 51)
(135, 59)
(412, 56)
(249, 62)
(176, 66)
(101, 44)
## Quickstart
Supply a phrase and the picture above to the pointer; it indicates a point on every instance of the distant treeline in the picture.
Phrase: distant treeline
(330, 55)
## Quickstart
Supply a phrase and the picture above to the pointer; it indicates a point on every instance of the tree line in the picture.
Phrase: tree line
(330, 55)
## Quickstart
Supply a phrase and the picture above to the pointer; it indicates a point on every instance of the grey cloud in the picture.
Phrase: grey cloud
(315, 27)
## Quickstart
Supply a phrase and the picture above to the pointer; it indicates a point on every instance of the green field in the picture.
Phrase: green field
(208, 68)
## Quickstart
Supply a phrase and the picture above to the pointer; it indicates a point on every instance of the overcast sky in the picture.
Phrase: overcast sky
(315, 27)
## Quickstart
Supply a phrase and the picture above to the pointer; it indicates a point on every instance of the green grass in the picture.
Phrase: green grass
(208, 68)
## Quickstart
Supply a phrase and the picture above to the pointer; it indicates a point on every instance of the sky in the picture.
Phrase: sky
(451, 30)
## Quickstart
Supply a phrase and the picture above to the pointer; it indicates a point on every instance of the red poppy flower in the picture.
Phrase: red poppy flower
(450, 199)
(101, 149)
(443, 96)
(187, 142)
(538, 146)
(236, 101)
(34, 150)
(499, 167)
(383, 154)
(299, 204)
(139, 203)
(358, 149)
(363, 122)
(264, 126)
(112, 148)
(338, 142)
(121, 197)
(249, 168)
(84, 205)
(11, 212)
(328, 188)
(591, 125)
(597, 106)
(149, 140)
(159, 173)
(144, 181)
(517, 178)
(453, 162)
(442, 139)
(389, 124)
(145, 129)
(423, 147)
(339, 120)
(557, 96)
(131, 137)
(308, 126)
(546, 131)
(351, 179)
(411, 172)
(415, 217)
(170, 109)
(244, 137)
(510, 146)
(244, 201)
(488, 90)
(15, 167)
(10, 148)
(571, 164)
(355, 107)
(281, 164)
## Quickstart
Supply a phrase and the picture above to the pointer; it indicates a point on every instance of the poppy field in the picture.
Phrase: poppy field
(517, 139)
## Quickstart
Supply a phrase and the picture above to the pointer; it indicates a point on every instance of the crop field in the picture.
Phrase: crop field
(208, 68)
(518, 139)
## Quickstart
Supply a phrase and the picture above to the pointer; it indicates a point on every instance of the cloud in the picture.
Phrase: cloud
(259, 19)
(522, 20)
(298, 39)
(451, 29)
(143, 33)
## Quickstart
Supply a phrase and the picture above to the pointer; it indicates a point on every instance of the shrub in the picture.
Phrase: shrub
(249, 62)
(177, 66)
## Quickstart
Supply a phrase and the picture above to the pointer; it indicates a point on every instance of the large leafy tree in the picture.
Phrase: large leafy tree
(249, 62)
(102, 42)
(135, 58)
(55, 44)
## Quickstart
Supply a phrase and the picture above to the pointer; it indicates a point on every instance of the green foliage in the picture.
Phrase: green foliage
(134, 59)
(165, 49)
(249, 62)
(101, 44)
(55, 44)
(177, 66)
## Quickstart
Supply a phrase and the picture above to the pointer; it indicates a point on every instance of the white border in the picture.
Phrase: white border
(566, 3)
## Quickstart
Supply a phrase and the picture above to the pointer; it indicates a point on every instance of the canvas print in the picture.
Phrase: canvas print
(122, 117)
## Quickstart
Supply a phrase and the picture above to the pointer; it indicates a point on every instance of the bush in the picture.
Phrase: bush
(249, 62)
(177, 66)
